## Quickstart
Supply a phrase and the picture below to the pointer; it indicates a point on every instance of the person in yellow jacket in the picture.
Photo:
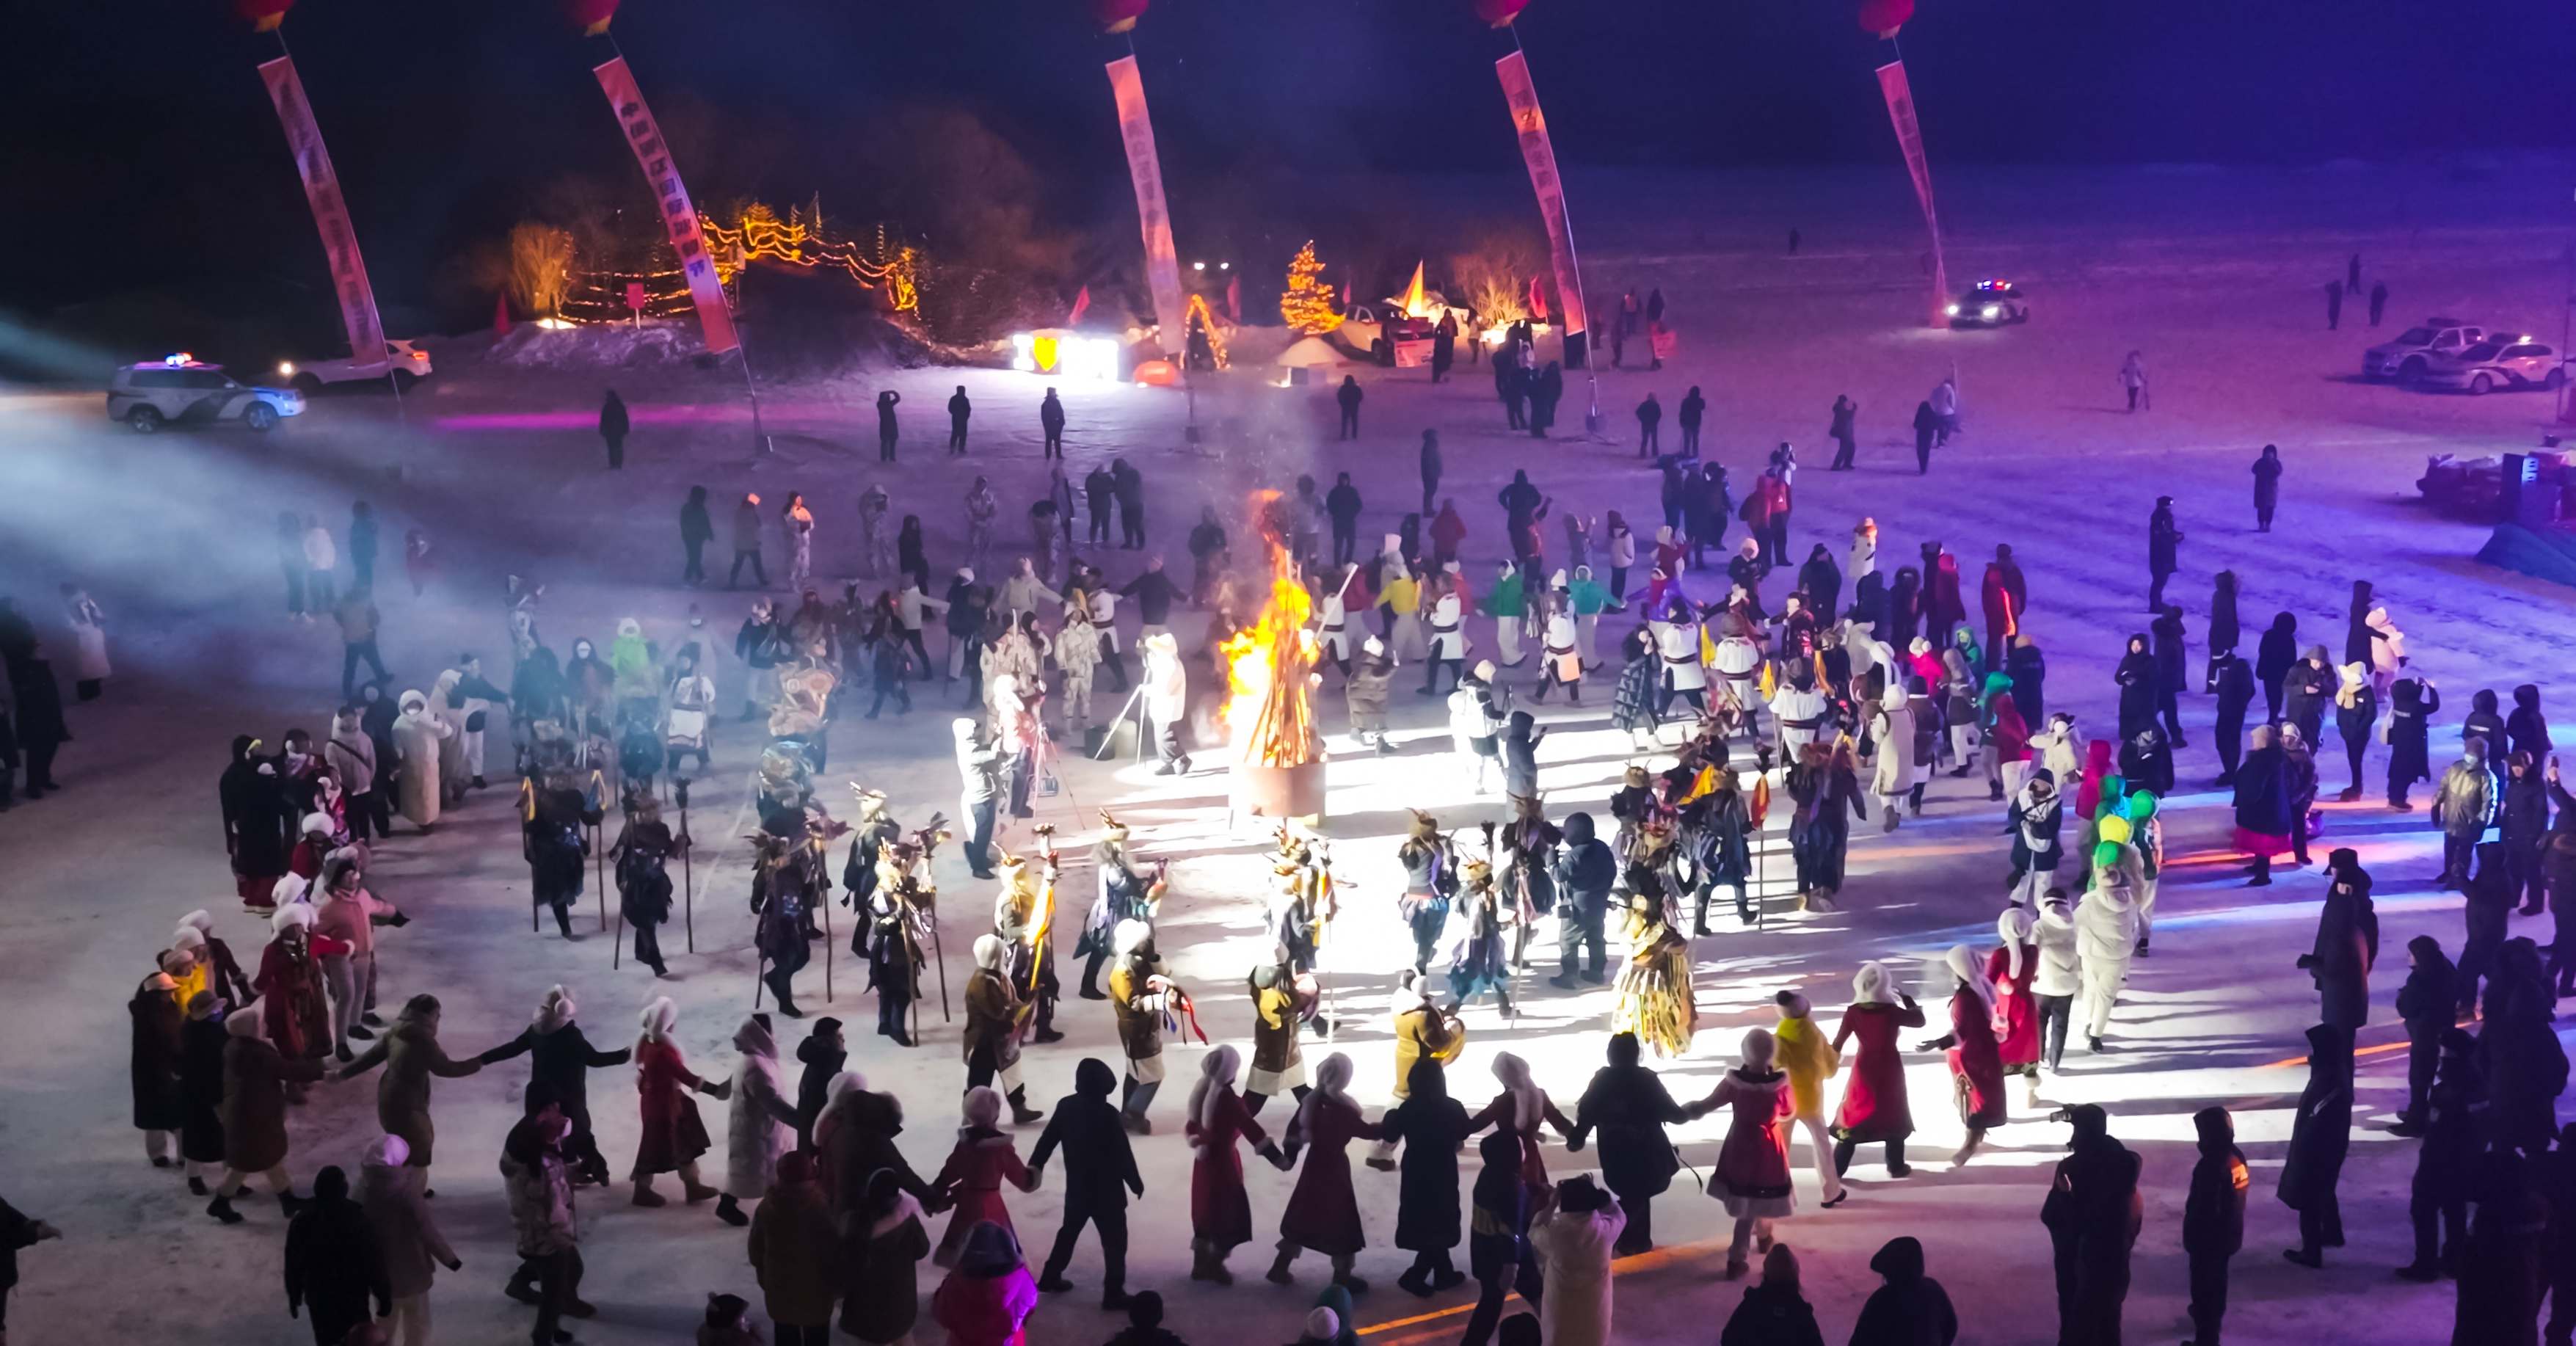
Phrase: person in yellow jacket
(1809, 1056)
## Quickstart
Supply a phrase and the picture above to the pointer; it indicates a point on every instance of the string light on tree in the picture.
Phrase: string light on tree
(1307, 303)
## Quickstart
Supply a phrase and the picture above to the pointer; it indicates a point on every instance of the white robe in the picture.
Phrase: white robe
(1333, 631)
(1448, 641)
(1678, 646)
(1574, 1257)
(416, 742)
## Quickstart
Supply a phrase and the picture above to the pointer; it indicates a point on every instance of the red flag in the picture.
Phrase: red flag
(1346, 295)
(1234, 299)
(1538, 301)
(500, 316)
(1081, 303)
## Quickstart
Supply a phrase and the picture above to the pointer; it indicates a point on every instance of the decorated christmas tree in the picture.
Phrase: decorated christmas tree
(1307, 303)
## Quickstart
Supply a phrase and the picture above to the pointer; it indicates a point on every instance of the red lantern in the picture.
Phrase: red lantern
(263, 15)
(1884, 17)
(1117, 16)
(1500, 13)
(590, 16)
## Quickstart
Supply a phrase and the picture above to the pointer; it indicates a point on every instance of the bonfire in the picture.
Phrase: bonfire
(1270, 701)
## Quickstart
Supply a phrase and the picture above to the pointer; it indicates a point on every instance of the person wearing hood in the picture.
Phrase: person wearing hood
(884, 1242)
(351, 756)
(2356, 710)
(2213, 1220)
(2058, 978)
(538, 1182)
(1220, 1212)
(253, 1113)
(2233, 679)
(989, 1294)
(761, 1124)
(1140, 995)
(2012, 969)
(1099, 1174)
(1822, 785)
(673, 1136)
(823, 1053)
(1751, 1178)
(2320, 1134)
(2106, 938)
(419, 743)
(2438, 1201)
(1892, 774)
(2522, 820)
(2274, 656)
(2146, 762)
(1975, 1058)
(1874, 1105)
(2038, 812)
(1908, 1308)
(1585, 873)
(2093, 1215)
(2262, 805)
(994, 1023)
(2137, 678)
(2425, 1004)
(350, 914)
(201, 1091)
(255, 822)
(2173, 663)
(560, 1059)
(641, 851)
(1323, 1214)
(333, 1264)
(2164, 543)
(1519, 749)
(406, 1236)
(295, 1004)
(411, 1056)
(971, 1180)
(1571, 1233)
(2466, 808)
(160, 1108)
(2307, 689)
(794, 1250)
(2411, 704)
(1431, 1127)
(1629, 1106)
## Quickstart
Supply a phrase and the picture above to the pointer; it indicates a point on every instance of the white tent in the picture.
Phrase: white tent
(1309, 353)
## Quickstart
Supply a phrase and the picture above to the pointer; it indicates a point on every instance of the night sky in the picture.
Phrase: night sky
(143, 153)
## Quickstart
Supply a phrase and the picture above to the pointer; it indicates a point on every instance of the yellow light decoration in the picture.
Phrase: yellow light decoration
(758, 234)
(1307, 303)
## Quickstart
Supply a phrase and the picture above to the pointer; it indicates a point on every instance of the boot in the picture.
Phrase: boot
(290, 1203)
(1279, 1267)
(730, 1211)
(645, 1195)
(563, 919)
(1342, 1277)
(1021, 1113)
(222, 1209)
(694, 1192)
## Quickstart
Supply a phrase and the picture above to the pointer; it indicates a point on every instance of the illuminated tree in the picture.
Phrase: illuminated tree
(1307, 303)
(540, 266)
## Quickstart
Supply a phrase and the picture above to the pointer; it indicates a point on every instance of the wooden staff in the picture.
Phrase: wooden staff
(688, 874)
(598, 848)
(823, 857)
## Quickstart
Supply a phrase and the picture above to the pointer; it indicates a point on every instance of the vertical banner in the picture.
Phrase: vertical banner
(678, 217)
(1909, 138)
(330, 211)
(1162, 263)
(1530, 125)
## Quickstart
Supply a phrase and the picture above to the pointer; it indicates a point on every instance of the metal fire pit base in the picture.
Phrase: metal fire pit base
(1292, 793)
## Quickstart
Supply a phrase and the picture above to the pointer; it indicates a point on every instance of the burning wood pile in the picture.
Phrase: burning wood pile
(1270, 702)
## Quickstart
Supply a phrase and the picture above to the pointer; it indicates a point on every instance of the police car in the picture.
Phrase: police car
(178, 389)
(1989, 303)
(2494, 363)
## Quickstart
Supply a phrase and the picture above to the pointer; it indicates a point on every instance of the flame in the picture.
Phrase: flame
(1269, 707)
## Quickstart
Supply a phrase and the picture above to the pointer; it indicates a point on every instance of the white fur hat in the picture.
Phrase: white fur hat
(1130, 936)
(1484, 670)
(1372, 647)
(991, 952)
(1759, 1048)
(291, 916)
(318, 822)
(1557, 580)
(555, 1010)
(387, 1152)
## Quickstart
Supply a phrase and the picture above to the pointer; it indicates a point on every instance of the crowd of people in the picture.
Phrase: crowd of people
(1849, 684)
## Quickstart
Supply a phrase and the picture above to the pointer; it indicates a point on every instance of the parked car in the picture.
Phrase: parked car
(2497, 362)
(405, 363)
(180, 390)
(1989, 303)
(1370, 331)
(2409, 354)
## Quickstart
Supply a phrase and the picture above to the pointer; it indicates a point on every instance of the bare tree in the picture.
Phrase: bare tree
(540, 266)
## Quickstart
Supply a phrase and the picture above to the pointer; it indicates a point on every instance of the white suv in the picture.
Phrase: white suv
(2407, 356)
(403, 362)
(181, 390)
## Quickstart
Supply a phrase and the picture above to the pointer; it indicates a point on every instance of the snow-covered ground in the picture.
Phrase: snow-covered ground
(2215, 277)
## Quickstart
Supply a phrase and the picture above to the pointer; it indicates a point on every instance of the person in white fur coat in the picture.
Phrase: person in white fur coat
(2059, 977)
(761, 1125)
(2106, 938)
(418, 740)
(1571, 1233)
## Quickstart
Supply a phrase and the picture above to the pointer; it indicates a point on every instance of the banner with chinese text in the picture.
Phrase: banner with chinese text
(1909, 138)
(1530, 125)
(1153, 214)
(679, 218)
(357, 299)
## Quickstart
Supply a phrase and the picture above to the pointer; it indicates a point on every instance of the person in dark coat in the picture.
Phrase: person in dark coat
(2233, 679)
(2028, 669)
(2213, 1220)
(2092, 1213)
(887, 435)
(2267, 487)
(2483, 722)
(1349, 395)
(1585, 872)
(2320, 1134)
(17, 1231)
(1099, 1172)
(256, 826)
(612, 427)
(160, 1109)
(2503, 1272)
(1927, 423)
(1628, 1104)
(2527, 729)
(2520, 1059)
(2164, 547)
(560, 1060)
(2425, 1004)
(2173, 670)
(1432, 1127)
(960, 410)
(2524, 823)
(1693, 410)
(2486, 914)
(201, 1091)
(2274, 656)
(2347, 944)
(2146, 763)
(2226, 628)
(1774, 1313)
(1498, 1247)
(2438, 1201)
(2411, 703)
(696, 531)
(2137, 679)
(2558, 870)
(1822, 580)
(2263, 817)
(2556, 1177)
(333, 1266)
(1908, 1308)
(823, 1052)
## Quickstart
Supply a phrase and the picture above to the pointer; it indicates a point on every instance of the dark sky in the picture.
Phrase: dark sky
(141, 152)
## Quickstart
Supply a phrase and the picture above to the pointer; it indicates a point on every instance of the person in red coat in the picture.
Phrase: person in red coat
(1752, 1176)
(972, 1179)
(1976, 1066)
(1521, 1109)
(1874, 1107)
(1323, 1216)
(1220, 1212)
(2002, 611)
(987, 1300)
(2010, 968)
(673, 1136)
(296, 1015)
(2007, 746)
